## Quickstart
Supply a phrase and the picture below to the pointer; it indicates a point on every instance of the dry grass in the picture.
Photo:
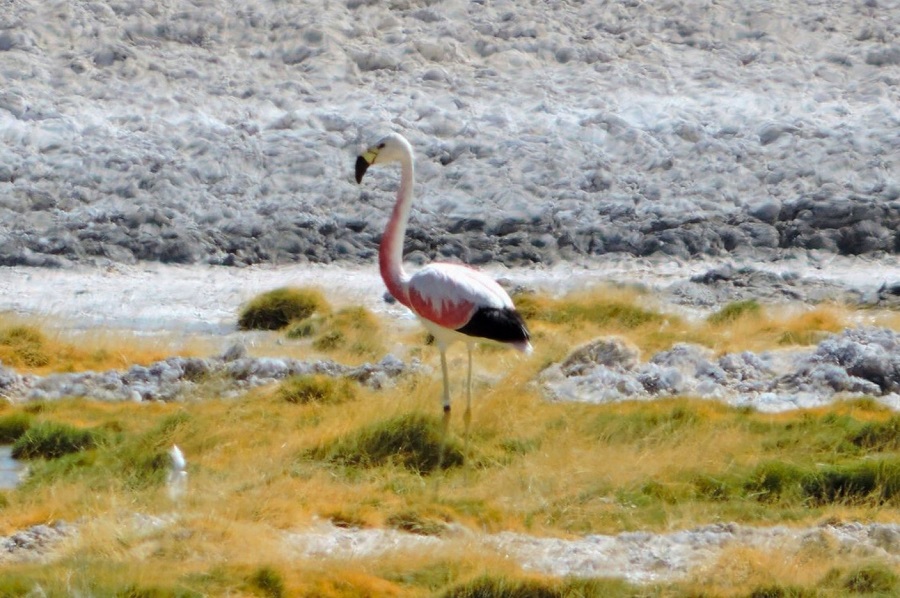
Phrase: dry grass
(260, 466)
(637, 317)
(38, 346)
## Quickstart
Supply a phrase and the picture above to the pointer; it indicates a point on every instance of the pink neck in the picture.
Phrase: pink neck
(390, 254)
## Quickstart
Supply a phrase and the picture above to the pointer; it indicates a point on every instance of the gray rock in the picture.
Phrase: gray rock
(862, 361)
(176, 377)
(611, 353)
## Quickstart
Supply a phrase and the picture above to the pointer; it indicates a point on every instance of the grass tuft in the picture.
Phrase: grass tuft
(317, 388)
(499, 586)
(780, 591)
(870, 480)
(50, 440)
(879, 435)
(736, 310)
(305, 328)
(22, 345)
(268, 581)
(660, 423)
(276, 309)
(872, 579)
(13, 426)
(415, 523)
(352, 329)
(413, 441)
(607, 310)
(772, 479)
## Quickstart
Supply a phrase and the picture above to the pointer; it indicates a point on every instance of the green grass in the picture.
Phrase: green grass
(734, 311)
(646, 427)
(13, 426)
(781, 591)
(879, 435)
(18, 581)
(317, 388)
(268, 581)
(50, 440)
(869, 579)
(413, 441)
(496, 586)
(785, 468)
(618, 309)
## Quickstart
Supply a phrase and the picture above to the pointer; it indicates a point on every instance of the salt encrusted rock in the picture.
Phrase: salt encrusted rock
(870, 357)
(611, 353)
(860, 361)
(34, 543)
(234, 352)
(169, 379)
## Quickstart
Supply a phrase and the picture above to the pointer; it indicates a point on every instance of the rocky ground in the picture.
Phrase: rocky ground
(638, 557)
(856, 362)
(225, 134)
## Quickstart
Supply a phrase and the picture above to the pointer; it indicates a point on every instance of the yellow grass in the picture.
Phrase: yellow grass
(533, 466)
(67, 350)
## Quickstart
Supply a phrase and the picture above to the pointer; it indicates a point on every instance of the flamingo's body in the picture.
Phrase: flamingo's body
(454, 302)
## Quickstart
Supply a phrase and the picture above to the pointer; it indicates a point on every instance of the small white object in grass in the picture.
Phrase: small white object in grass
(177, 478)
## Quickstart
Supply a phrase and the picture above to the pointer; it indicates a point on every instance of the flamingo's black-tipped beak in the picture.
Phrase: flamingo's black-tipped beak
(365, 160)
(361, 166)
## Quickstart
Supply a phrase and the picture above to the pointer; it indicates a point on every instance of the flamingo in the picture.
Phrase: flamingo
(454, 302)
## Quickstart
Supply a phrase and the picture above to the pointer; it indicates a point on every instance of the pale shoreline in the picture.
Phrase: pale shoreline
(198, 298)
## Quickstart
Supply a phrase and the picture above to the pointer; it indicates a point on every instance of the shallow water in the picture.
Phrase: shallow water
(11, 470)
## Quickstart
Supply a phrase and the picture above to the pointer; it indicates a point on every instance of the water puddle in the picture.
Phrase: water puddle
(11, 470)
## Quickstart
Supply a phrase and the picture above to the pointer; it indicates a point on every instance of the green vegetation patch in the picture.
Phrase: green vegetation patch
(879, 435)
(50, 440)
(659, 423)
(413, 441)
(317, 388)
(268, 581)
(612, 312)
(869, 480)
(499, 586)
(278, 308)
(13, 426)
(783, 591)
(771, 480)
(734, 311)
(872, 579)
(85, 579)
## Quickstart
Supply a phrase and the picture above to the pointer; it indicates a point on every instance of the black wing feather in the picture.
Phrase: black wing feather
(503, 325)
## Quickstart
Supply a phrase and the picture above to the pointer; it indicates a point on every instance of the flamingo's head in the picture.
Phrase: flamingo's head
(393, 148)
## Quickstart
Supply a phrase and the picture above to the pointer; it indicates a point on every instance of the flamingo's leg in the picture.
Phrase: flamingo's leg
(445, 424)
(467, 416)
(445, 400)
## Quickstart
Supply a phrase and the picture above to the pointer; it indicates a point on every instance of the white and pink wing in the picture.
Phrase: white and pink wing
(449, 294)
